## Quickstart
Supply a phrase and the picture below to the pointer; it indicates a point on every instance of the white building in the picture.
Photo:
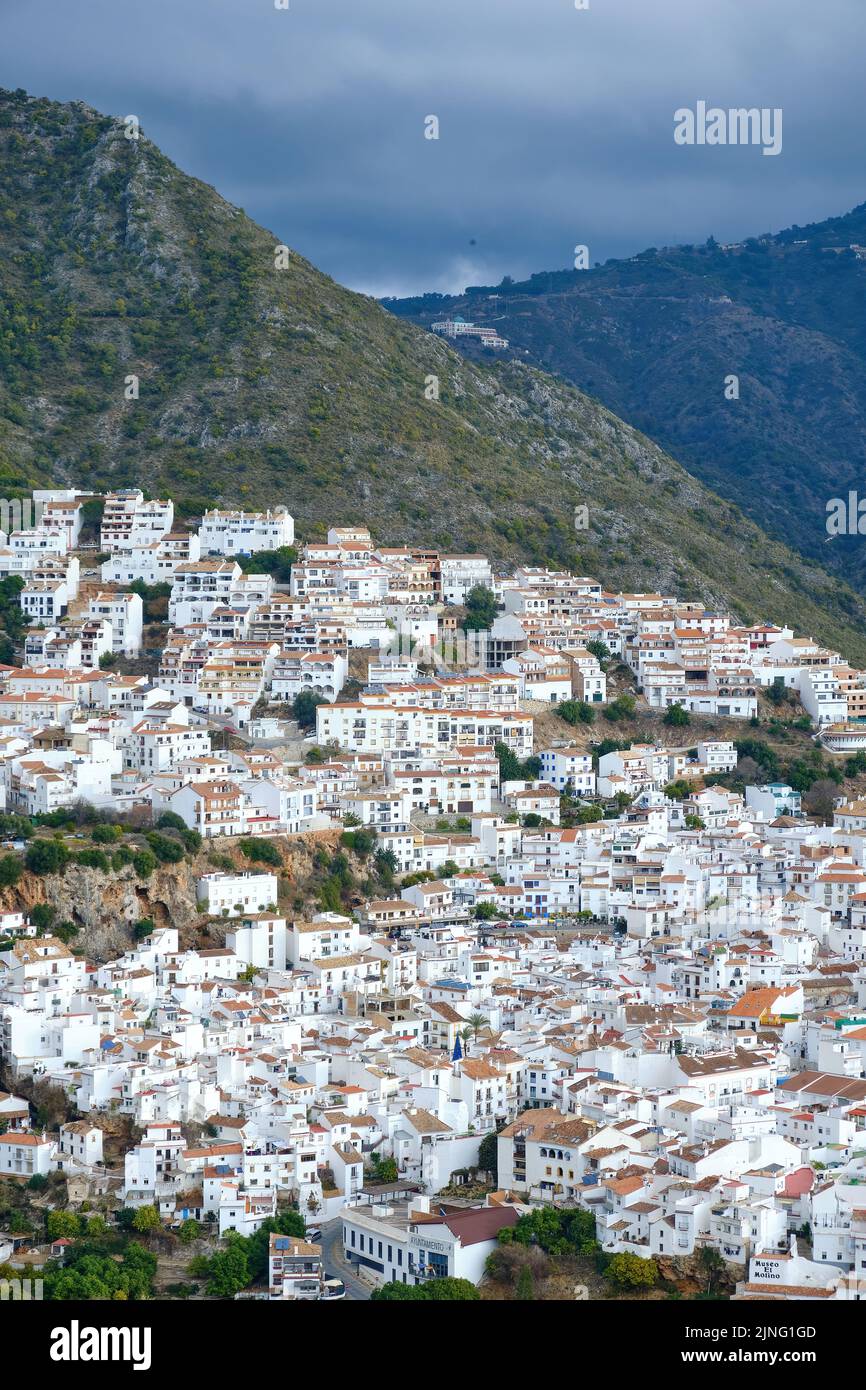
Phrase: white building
(242, 533)
(125, 613)
(236, 895)
(128, 520)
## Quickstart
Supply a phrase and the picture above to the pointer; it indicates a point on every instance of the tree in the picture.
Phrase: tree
(481, 608)
(229, 1271)
(52, 1105)
(276, 562)
(749, 773)
(386, 864)
(711, 1263)
(435, 1290)
(621, 708)
(677, 716)
(679, 790)
(106, 834)
(488, 1154)
(778, 693)
(167, 849)
(10, 870)
(762, 754)
(288, 1223)
(556, 1231)
(452, 1290)
(627, 1271)
(361, 841)
(46, 856)
(694, 823)
(146, 1220)
(820, 799)
(261, 851)
(383, 1169)
(599, 650)
(393, 1292)
(62, 1224)
(576, 712)
(511, 769)
(304, 708)
(476, 1022)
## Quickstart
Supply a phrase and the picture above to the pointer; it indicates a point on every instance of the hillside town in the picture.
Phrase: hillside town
(618, 978)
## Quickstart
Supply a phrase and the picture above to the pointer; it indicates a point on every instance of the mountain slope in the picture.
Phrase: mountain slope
(258, 384)
(655, 337)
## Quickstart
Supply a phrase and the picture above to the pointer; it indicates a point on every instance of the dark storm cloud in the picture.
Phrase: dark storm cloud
(556, 124)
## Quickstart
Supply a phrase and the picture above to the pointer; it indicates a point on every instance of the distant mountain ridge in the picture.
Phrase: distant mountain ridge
(147, 336)
(655, 337)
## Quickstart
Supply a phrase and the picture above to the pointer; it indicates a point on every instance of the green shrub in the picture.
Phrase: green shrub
(10, 870)
(261, 851)
(165, 847)
(106, 834)
(46, 856)
(144, 863)
(93, 859)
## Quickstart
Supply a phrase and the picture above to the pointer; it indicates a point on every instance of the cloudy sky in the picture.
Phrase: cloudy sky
(556, 125)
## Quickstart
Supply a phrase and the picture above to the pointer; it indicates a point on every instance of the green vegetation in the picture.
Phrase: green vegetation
(481, 609)
(166, 849)
(554, 1230)
(276, 562)
(261, 851)
(304, 708)
(525, 1284)
(383, 1169)
(434, 1291)
(328, 390)
(46, 856)
(626, 1271)
(677, 717)
(12, 621)
(245, 1258)
(600, 651)
(622, 707)
(576, 712)
(781, 301)
(512, 769)
(361, 841)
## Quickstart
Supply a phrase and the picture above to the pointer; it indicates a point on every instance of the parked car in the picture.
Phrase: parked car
(314, 1234)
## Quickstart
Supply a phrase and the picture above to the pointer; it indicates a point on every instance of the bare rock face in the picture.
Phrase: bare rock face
(107, 906)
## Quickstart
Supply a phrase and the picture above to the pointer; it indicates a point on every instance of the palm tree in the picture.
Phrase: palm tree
(475, 1023)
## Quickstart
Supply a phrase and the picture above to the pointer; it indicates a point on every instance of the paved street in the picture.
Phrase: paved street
(335, 1265)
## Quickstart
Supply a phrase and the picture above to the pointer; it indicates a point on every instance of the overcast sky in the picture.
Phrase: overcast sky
(556, 125)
